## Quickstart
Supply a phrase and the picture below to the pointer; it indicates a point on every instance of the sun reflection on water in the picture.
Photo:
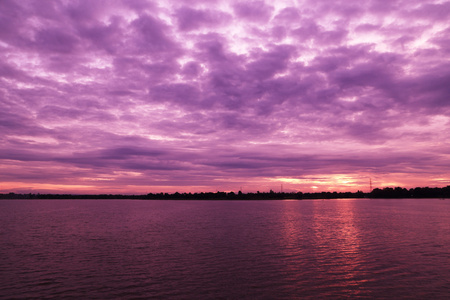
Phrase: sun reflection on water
(328, 232)
(338, 244)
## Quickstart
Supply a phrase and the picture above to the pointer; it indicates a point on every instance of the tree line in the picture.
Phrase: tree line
(398, 192)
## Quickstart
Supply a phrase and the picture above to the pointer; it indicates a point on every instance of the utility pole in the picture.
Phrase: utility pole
(370, 184)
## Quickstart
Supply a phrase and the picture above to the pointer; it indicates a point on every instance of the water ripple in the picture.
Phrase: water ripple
(225, 250)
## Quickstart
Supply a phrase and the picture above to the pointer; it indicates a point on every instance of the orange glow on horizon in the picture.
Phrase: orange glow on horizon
(320, 183)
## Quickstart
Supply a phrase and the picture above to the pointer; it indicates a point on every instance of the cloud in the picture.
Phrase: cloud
(182, 94)
(266, 65)
(253, 11)
(151, 37)
(191, 93)
(432, 11)
(192, 19)
(55, 40)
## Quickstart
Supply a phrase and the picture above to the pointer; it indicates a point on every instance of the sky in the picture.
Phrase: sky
(138, 97)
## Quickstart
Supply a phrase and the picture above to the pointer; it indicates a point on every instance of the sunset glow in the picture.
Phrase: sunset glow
(143, 96)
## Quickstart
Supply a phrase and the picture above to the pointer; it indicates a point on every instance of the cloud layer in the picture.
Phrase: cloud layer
(139, 96)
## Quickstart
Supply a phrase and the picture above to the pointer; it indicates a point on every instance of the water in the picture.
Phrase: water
(119, 249)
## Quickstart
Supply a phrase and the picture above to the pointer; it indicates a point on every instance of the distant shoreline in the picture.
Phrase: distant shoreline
(385, 193)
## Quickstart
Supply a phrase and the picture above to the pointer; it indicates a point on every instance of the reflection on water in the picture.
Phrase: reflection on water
(337, 243)
(324, 241)
(225, 249)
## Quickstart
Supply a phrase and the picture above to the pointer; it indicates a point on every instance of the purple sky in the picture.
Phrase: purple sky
(162, 96)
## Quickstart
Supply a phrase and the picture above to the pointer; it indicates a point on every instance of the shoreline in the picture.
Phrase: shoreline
(385, 193)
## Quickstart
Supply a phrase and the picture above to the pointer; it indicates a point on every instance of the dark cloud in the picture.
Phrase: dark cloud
(432, 11)
(12, 16)
(253, 11)
(367, 27)
(10, 71)
(151, 37)
(15, 124)
(109, 38)
(191, 69)
(182, 94)
(288, 15)
(191, 19)
(266, 65)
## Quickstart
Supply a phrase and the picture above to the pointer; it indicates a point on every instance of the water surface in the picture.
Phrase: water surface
(132, 249)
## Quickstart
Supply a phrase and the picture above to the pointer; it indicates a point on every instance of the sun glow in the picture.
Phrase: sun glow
(30, 187)
(337, 182)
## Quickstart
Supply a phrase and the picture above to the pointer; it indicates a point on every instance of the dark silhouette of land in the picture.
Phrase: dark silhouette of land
(398, 192)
